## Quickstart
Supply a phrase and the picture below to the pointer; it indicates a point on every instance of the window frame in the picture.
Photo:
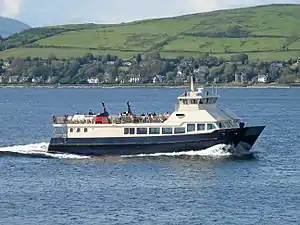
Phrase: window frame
(210, 124)
(154, 128)
(191, 130)
(182, 130)
(138, 129)
(201, 124)
(166, 128)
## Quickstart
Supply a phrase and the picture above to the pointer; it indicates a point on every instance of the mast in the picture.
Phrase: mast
(192, 82)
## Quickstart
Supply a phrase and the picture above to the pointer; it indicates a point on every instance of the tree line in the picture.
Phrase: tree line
(144, 69)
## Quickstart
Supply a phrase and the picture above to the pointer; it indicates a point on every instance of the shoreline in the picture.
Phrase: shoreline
(222, 86)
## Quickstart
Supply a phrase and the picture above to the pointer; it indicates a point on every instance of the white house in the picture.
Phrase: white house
(240, 77)
(297, 63)
(127, 63)
(158, 79)
(23, 79)
(2, 79)
(36, 79)
(111, 63)
(135, 79)
(93, 80)
(13, 79)
(262, 78)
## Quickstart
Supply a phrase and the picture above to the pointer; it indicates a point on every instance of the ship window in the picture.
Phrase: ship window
(141, 130)
(128, 130)
(167, 131)
(71, 130)
(200, 101)
(191, 127)
(185, 101)
(154, 130)
(200, 127)
(227, 125)
(210, 126)
(85, 130)
(179, 130)
(78, 130)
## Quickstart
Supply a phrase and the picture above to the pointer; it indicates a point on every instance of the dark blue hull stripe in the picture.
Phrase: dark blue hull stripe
(148, 145)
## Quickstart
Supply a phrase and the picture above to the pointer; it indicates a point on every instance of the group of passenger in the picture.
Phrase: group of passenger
(122, 117)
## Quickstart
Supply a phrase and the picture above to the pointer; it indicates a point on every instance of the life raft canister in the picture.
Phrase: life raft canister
(102, 120)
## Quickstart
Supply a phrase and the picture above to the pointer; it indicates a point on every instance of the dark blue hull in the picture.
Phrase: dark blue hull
(244, 137)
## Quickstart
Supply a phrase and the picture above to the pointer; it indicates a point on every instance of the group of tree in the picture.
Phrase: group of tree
(109, 69)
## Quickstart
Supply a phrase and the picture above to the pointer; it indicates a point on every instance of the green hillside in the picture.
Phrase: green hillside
(10, 26)
(264, 32)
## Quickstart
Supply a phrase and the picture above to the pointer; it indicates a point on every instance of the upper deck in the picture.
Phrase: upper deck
(121, 119)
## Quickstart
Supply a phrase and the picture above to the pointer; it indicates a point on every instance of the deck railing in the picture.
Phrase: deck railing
(87, 119)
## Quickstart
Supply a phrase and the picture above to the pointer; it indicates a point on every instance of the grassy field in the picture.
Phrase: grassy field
(295, 45)
(265, 56)
(264, 28)
(60, 53)
(220, 45)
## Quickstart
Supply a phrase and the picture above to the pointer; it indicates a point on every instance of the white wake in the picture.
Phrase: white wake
(38, 149)
(220, 150)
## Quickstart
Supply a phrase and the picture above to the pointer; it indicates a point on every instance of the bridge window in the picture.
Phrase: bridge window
(167, 131)
(179, 130)
(141, 130)
(227, 125)
(78, 130)
(200, 127)
(210, 126)
(191, 127)
(185, 102)
(85, 130)
(154, 130)
(71, 130)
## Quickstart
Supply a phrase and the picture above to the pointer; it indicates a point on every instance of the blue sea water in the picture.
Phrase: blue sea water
(195, 188)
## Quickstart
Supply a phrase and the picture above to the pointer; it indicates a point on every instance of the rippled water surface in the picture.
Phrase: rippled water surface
(209, 187)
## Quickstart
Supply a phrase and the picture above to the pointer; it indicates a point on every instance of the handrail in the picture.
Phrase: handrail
(113, 119)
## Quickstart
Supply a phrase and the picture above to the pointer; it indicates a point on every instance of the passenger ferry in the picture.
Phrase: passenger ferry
(196, 124)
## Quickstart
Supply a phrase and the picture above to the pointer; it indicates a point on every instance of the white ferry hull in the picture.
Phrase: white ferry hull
(238, 137)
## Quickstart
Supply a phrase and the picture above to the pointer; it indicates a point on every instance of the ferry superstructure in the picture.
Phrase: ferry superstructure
(196, 124)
